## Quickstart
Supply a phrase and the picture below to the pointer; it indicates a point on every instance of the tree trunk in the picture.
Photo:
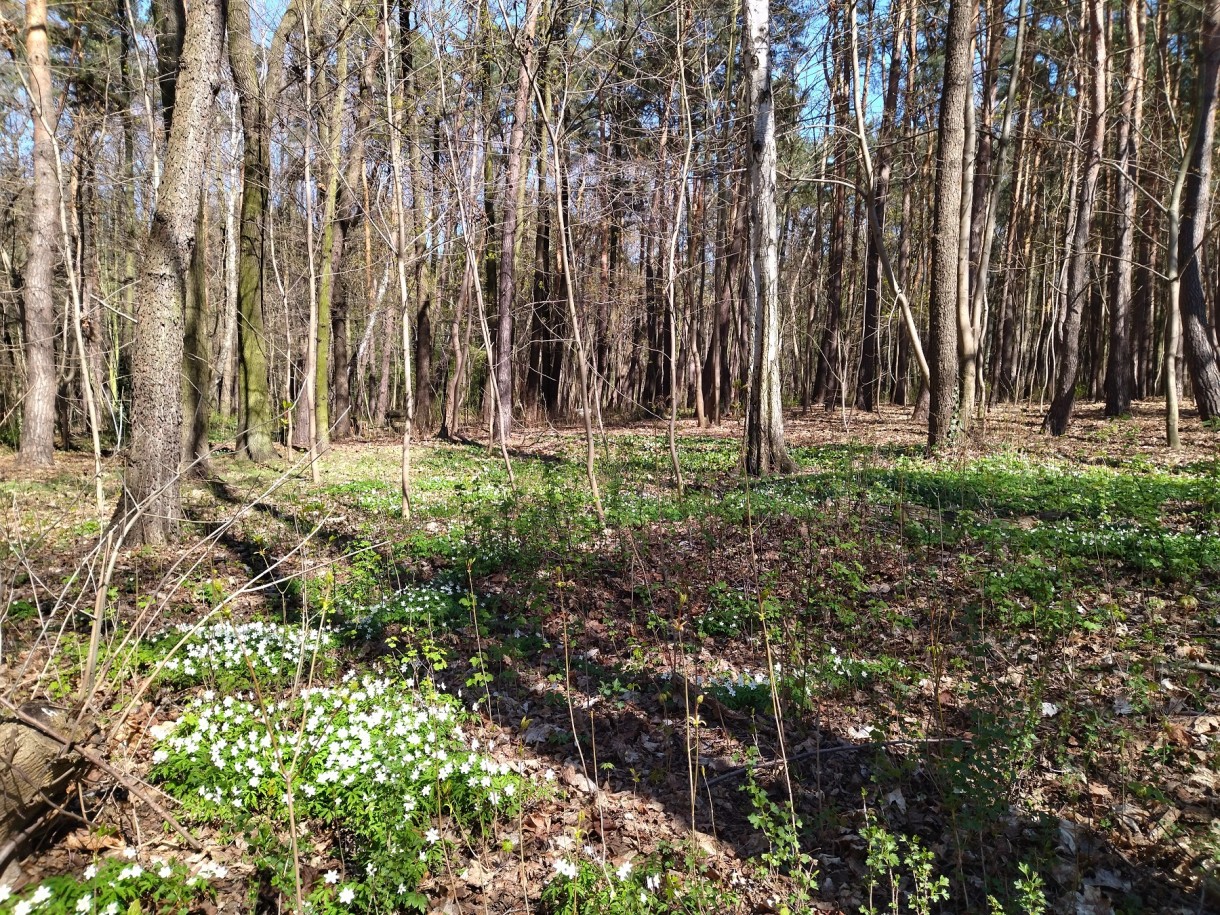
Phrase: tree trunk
(197, 355)
(226, 324)
(1201, 356)
(946, 225)
(766, 452)
(827, 381)
(1077, 289)
(332, 245)
(256, 414)
(868, 379)
(38, 410)
(1120, 370)
(506, 287)
(150, 500)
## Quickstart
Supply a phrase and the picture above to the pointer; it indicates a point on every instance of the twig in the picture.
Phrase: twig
(130, 782)
(827, 751)
(1204, 666)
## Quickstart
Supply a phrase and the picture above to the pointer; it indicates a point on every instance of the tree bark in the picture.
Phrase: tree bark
(766, 452)
(332, 242)
(226, 324)
(169, 20)
(150, 501)
(1200, 350)
(946, 225)
(1120, 370)
(38, 409)
(197, 355)
(256, 414)
(1077, 289)
(506, 287)
(868, 378)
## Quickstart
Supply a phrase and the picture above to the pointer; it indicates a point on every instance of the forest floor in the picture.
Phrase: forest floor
(983, 683)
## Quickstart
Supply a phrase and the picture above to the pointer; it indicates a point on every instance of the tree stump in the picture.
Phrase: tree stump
(35, 771)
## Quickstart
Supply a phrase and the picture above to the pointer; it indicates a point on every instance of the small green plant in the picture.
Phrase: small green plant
(733, 612)
(665, 882)
(747, 692)
(901, 868)
(1029, 893)
(782, 828)
(440, 604)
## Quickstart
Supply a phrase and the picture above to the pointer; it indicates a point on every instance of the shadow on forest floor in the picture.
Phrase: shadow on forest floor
(1004, 655)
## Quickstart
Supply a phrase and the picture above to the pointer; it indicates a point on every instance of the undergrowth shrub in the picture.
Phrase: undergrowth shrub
(903, 870)
(384, 760)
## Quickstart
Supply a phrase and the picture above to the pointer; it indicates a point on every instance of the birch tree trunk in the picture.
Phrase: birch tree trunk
(766, 452)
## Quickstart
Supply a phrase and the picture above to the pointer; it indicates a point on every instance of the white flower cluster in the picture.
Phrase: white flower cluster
(1118, 538)
(271, 649)
(729, 685)
(569, 869)
(108, 879)
(430, 603)
(369, 743)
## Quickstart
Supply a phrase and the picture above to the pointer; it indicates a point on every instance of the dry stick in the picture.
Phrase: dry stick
(285, 771)
(671, 266)
(103, 585)
(776, 706)
(130, 782)
(311, 344)
(400, 251)
(89, 681)
(825, 751)
(567, 683)
(215, 536)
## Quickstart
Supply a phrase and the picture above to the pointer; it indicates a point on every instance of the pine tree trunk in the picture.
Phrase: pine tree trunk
(1078, 287)
(946, 225)
(1201, 356)
(38, 409)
